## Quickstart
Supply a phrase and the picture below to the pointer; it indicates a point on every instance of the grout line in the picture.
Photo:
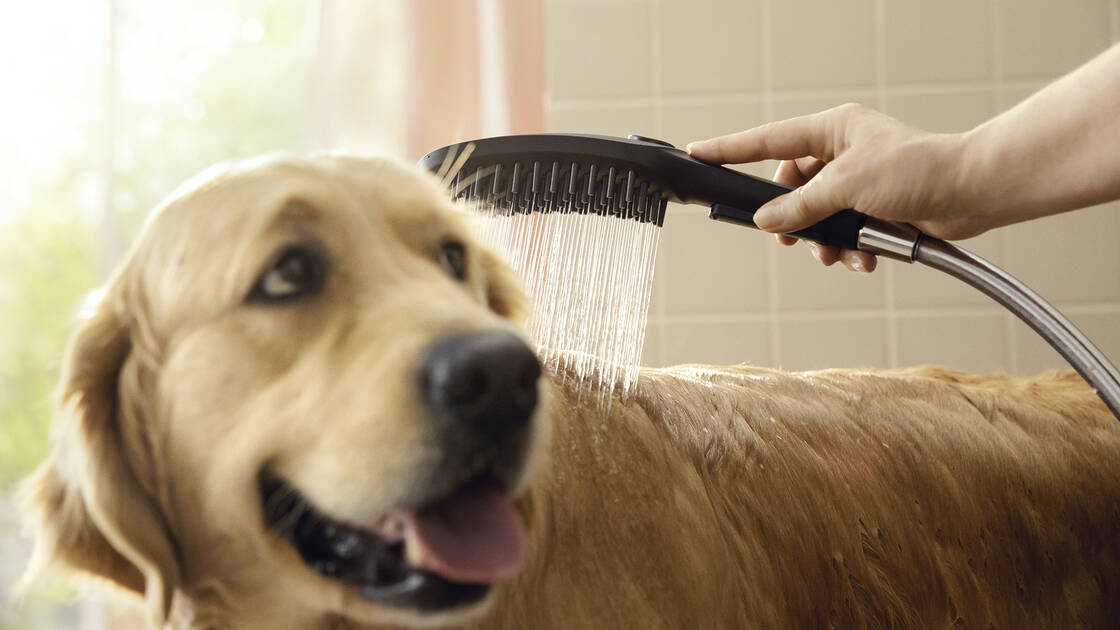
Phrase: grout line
(773, 277)
(755, 96)
(879, 18)
(655, 66)
(1114, 13)
(949, 312)
(889, 311)
(707, 98)
(661, 343)
(605, 102)
(718, 318)
(956, 85)
(773, 314)
(950, 87)
(996, 37)
(901, 313)
(1088, 308)
(1010, 347)
(660, 286)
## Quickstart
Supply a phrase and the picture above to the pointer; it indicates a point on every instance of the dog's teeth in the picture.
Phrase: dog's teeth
(413, 550)
(393, 528)
(347, 545)
(328, 568)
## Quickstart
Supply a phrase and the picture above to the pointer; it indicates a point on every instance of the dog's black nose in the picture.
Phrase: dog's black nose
(487, 381)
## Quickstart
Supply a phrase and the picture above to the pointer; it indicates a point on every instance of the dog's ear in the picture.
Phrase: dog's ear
(504, 294)
(87, 509)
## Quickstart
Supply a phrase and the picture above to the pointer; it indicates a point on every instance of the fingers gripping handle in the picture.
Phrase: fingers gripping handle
(846, 229)
(841, 229)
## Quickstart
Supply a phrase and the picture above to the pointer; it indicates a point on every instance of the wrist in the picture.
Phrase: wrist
(992, 185)
(962, 180)
(969, 168)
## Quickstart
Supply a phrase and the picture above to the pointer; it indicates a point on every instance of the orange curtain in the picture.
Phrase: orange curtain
(473, 68)
(409, 76)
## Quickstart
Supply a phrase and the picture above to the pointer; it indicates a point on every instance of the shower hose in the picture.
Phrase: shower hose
(903, 242)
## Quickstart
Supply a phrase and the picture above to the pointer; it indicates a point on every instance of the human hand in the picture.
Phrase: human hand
(855, 157)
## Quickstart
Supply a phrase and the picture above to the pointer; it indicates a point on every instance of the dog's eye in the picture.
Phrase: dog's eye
(298, 272)
(453, 258)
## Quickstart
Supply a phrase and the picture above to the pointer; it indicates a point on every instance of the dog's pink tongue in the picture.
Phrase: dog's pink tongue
(472, 536)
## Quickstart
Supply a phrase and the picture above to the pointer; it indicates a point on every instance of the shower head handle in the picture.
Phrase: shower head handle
(622, 176)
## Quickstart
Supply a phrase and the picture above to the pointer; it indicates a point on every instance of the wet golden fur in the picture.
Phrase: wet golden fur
(716, 497)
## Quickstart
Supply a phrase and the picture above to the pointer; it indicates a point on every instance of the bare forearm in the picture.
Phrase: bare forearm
(1056, 151)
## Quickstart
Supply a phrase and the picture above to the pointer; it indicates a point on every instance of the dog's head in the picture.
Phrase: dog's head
(304, 394)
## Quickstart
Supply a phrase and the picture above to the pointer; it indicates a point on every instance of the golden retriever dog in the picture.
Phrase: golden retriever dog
(303, 401)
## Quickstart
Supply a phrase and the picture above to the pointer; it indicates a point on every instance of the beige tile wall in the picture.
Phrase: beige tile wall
(683, 70)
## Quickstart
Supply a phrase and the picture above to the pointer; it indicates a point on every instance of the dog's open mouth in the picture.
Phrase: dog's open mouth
(442, 554)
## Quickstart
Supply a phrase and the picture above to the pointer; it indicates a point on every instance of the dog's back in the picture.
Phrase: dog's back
(742, 497)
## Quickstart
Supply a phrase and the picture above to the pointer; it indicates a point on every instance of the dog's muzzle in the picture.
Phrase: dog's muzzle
(460, 532)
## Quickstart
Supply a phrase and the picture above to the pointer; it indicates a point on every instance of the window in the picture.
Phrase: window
(110, 104)
(87, 147)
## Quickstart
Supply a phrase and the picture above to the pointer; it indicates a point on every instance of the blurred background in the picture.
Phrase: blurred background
(109, 104)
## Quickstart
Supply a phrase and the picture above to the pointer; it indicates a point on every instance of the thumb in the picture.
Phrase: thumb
(802, 207)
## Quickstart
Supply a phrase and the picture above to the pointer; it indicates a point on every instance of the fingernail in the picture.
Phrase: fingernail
(688, 147)
(816, 252)
(857, 265)
(768, 218)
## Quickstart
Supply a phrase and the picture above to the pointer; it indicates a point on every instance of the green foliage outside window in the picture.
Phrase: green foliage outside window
(197, 83)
